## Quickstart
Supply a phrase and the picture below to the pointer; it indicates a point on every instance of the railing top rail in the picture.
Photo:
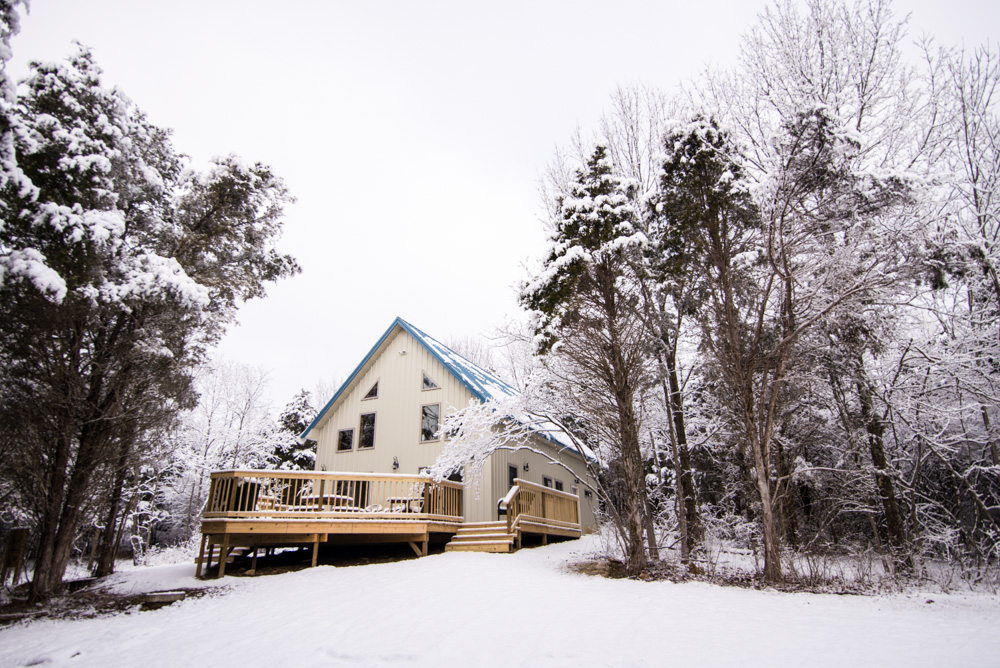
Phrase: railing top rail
(534, 486)
(331, 475)
(505, 501)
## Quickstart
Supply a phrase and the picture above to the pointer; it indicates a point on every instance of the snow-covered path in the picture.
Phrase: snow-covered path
(466, 609)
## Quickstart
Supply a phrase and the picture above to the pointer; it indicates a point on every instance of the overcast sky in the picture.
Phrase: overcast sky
(412, 134)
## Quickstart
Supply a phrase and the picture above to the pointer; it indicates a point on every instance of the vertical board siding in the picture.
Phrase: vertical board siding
(397, 430)
(540, 467)
(397, 411)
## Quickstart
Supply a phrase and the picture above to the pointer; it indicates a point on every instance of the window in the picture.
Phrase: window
(345, 440)
(588, 494)
(547, 481)
(429, 418)
(559, 485)
(372, 393)
(429, 384)
(367, 437)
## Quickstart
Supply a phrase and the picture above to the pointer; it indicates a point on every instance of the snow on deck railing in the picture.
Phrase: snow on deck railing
(531, 502)
(314, 495)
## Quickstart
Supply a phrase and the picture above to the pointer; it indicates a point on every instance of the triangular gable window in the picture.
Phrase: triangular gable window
(372, 393)
(429, 384)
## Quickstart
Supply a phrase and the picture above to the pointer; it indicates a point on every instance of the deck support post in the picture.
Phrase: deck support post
(420, 548)
(208, 557)
(253, 566)
(201, 555)
(315, 550)
(545, 539)
(223, 555)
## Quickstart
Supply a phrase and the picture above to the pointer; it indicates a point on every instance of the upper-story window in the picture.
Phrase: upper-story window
(345, 440)
(430, 416)
(366, 438)
(372, 393)
(429, 384)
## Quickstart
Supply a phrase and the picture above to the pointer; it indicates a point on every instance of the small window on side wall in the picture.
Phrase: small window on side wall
(429, 384)
(547, 481)
(430, 416)
(559, 485)
(345, 440)
(367, 437)
(372, 393)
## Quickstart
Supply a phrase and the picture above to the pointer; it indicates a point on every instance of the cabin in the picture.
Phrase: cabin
(375, 439)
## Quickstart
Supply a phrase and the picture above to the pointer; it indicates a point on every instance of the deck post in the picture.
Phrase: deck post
(201, 555)
(223, 555)
(208, 557)
(315, 550)
(253, 566)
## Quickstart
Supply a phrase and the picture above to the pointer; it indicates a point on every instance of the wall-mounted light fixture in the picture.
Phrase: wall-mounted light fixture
(395, 464)
(526, 468)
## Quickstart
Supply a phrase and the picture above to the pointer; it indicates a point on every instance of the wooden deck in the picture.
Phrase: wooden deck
(267, 509)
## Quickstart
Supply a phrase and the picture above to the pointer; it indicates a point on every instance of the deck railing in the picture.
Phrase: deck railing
(312, 494)
(529, 502)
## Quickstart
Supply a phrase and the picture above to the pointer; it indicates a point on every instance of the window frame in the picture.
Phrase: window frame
(361, 430)
(547, 482)
(437, 431)
(373, 387)
(340, 433)
(427, 378)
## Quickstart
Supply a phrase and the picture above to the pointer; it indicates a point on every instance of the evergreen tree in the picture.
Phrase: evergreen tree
(130, 266)
(289, 453)
(586, 305)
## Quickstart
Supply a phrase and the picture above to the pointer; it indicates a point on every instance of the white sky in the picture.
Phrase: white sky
(412, 134)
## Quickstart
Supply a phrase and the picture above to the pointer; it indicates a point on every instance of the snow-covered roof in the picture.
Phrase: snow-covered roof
(482, 384)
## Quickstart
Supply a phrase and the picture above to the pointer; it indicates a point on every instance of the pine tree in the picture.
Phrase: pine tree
(289, 453)
(586, 305)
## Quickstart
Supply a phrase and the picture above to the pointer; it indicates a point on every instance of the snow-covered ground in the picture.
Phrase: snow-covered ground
(522, 609)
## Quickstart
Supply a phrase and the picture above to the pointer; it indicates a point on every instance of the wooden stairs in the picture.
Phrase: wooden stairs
(482, 537)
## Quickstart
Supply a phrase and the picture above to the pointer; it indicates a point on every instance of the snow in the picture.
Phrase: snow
(526, 608)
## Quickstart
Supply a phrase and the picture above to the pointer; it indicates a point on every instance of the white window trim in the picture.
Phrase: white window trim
(420, 433)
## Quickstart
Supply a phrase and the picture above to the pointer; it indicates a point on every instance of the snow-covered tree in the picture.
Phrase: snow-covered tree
(228, 429)
(288, 453)
(130, 266)
(585, 301)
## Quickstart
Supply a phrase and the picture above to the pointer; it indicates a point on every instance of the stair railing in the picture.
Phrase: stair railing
(510, 504)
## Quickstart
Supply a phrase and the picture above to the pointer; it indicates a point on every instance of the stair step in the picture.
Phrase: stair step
(483, 537)
(479, 546)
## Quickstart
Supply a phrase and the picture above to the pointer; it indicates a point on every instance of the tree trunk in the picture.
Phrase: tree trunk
(883, 478)
(110, 540)
(772, 543)
(695, 531)
(784, 493)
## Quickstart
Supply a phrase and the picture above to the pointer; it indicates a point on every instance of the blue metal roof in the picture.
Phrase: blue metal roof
(483, 385)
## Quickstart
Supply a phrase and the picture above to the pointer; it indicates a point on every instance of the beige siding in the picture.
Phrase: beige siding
(399, 372)
(541, 466)
(398, 367)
